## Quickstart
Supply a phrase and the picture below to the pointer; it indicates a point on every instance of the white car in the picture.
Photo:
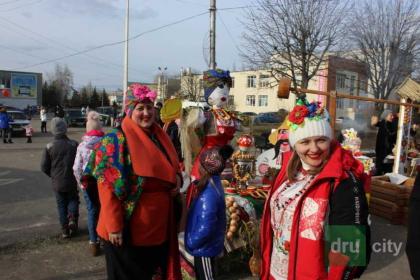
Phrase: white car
(19, 121)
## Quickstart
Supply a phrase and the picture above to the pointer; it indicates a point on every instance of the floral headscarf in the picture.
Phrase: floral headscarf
(137, 93)
(213, 78)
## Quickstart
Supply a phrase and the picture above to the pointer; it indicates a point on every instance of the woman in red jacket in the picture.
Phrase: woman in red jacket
(314, 223)
(138, 176)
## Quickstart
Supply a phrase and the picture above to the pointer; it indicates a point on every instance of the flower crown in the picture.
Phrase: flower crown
(141, 92)
(304, 109)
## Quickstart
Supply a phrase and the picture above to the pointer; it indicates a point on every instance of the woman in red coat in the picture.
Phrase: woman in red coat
(317, 196)
(138, 176)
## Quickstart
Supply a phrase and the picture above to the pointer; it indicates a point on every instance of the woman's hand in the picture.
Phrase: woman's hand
(116, 238)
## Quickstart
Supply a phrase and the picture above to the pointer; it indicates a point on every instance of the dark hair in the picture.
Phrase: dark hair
(225, 152)
(204, 177)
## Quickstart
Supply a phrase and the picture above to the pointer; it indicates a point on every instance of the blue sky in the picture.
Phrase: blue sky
(36, 31)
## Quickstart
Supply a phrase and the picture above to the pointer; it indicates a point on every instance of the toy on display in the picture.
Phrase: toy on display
(216, 126)
(353, 143)
(269, 162)
(244, 162)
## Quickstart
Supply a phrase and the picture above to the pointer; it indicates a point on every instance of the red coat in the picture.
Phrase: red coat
(306, 254)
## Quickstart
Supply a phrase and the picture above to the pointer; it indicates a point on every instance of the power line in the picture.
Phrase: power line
(94, 58)
(8, 2)
(113, 43)
(228, 32)
(22, 6)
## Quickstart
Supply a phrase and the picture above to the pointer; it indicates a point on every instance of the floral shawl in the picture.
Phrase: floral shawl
(110, 164)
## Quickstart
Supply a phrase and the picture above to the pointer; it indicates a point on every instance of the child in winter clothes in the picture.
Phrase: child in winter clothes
(88, 185)
(29, 132)
(206, 223)
(57, 162)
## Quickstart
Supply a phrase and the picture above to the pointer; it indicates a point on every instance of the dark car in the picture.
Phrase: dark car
(74, 117)
(270, 117)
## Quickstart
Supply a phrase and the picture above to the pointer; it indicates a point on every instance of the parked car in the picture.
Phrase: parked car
(74, 117)
(19, 121)
(269, 117)
(106, 114)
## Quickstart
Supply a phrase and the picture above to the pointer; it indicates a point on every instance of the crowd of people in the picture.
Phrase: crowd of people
(130, 178)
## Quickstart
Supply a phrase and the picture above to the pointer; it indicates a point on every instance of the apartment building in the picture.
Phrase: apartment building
(256, 90)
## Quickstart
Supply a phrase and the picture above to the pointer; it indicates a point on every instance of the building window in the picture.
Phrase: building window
(352, 89)
(250, 100)
(5, 82)
(252, 81)
(231, 100)
(264, 81)
(233, 82)
(363, 85)
(340, 81)
(263, 100)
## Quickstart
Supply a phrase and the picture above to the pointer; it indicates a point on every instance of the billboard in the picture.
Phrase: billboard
(23, 85)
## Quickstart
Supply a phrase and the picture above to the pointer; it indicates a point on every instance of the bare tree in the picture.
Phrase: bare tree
(62, 77)
(292, 37)
(386, 35)
(191, 86)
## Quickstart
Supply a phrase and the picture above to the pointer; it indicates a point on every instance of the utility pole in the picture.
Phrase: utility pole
(125, 80)
(212, 34)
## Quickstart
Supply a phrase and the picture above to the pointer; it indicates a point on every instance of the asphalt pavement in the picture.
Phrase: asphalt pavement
(30, 244)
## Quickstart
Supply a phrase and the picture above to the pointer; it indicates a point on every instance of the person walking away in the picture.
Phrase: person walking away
(206, 222)
(412, 248)
(88, 184)
(158, 107)
(385, 140)
(57, 162)
(43, 117)
(138, 177)
(5, 126)
(29, 132)
(316, 199)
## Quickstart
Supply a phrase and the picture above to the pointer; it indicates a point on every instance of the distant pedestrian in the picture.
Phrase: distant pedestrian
(158, 107)
(5, 120)
(44, 118)
(29, 132)
(57, 162)
(59, 112)
(88, 184)
(385, 140)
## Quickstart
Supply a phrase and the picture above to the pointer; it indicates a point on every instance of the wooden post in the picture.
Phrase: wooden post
(400, 134)
(331, 101)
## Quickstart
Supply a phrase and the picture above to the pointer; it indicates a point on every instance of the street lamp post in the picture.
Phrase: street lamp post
(161, 89)
(125, 79)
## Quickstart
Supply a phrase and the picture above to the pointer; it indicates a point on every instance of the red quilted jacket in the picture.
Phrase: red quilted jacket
(306, 255)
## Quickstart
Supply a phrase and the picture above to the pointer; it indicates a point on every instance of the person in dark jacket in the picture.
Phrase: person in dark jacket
(173, 132)
(57, 162)
(206, 222)
(5, 125)
(412, 248)
(385, 140)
